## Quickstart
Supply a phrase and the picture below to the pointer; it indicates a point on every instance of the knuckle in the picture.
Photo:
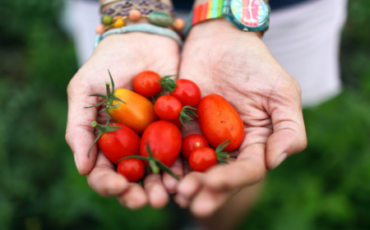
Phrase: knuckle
(259, 175)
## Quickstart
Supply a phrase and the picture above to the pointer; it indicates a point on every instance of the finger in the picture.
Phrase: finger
(209, 201)
(289, 136)
(80, 134)
(191, 184)
(134, 197)
(170, 183)
(188, 188)
(248, 169)
(104, 180)
(155, 190)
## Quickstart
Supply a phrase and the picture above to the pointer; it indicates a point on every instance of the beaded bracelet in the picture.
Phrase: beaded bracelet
(145, 28)
(157, 13)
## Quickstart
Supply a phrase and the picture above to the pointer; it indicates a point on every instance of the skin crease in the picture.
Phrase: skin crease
(237, 65)
(132, 58)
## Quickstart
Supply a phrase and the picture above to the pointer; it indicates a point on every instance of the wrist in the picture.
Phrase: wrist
(233, 15)
(217, 27)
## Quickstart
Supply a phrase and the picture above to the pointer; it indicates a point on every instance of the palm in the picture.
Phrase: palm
(238, 66)
(125, 56)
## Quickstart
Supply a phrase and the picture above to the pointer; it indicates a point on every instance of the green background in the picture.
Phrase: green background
(325, 187)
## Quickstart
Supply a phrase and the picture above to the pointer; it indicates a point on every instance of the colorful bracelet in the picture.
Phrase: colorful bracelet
(145, 28)
(157, 13)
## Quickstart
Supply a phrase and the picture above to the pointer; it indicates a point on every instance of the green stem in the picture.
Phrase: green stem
(101, 130)
(155, 164)
(184, 115)
(221, 155)
(168, 84)
(110, 96)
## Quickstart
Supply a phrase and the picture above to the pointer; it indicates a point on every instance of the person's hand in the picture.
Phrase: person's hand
(237, 65)
(125, 56)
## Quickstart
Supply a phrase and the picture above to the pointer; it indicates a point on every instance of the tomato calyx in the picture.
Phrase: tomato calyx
(154, 98)
(109, 98)
(184, 115)
(221, 155)
(167, 83)
(101, 130)
(154, 163)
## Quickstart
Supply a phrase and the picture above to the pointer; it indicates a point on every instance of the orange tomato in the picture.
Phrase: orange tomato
(137, 112)
(219, 121)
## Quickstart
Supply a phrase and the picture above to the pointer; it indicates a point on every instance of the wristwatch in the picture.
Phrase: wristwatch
(247, 15)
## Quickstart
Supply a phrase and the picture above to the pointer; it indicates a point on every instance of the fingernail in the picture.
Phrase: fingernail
(171, 185)
(130, 205)
(186, 188)
(76, 162)
(279, 160)
(181, 200)
(203, 206)
(155, 192)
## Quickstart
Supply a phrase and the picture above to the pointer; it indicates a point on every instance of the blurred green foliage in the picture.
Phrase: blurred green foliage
(326, 187)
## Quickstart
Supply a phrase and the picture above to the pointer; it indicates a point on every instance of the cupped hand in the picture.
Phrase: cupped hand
(125, 56)
(237, 65)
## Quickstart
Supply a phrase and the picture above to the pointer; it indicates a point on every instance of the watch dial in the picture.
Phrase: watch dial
(251, 13)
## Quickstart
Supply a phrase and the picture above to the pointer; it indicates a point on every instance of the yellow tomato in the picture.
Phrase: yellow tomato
(137, 112)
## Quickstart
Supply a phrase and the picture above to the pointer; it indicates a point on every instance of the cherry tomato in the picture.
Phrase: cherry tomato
(120, 143)
(177, 122)
(132, 169)
(192, 142)
(164, 140)
(147, 84)
(137, 112)
(187, 92)
(167, 107)
(202, 159)
(219, 121)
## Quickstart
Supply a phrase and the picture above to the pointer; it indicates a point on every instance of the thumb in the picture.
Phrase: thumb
(80, 134)
(283, 143)
(289, 136)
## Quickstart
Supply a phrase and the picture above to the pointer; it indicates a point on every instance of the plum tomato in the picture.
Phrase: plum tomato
(192, 142)
(132, 169)
(164, 139)
(167, 107)
(187, 92)
(219, 121)
(201, 159)
(127, 107)
(137, 112)
(147, 84)
(120, 143)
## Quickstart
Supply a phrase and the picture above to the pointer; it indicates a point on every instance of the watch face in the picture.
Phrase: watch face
(251, 13)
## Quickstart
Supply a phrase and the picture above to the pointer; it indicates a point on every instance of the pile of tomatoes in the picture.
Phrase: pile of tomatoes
(147, 136)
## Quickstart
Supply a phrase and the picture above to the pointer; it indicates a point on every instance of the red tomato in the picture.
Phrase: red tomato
(167, 107)
(177, 122)
(192, 142)
(119, 144)
(219, 121)
(164, 140)
(202, 159)
(132, 169)
(147, 84)
(187, 92)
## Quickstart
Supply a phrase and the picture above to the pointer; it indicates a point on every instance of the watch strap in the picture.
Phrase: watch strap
(209, 10)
